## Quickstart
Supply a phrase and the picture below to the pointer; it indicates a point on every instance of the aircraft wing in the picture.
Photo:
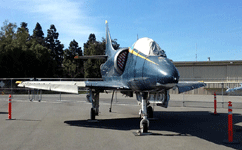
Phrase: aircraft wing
(106, 85)
(184, 86)
(71, 86)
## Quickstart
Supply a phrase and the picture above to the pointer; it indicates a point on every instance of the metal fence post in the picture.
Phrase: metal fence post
(222, 95)
(11, 86)
(60, 92)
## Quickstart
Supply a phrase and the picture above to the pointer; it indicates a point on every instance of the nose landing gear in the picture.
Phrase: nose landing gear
(145, 113)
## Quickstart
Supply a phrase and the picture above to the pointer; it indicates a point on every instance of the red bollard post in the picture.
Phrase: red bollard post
(230, 122)
(230, 126)
(215, 104)
(10, 107)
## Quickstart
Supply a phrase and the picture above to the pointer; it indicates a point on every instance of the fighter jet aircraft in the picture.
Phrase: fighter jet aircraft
(143, 69)
(234, 89)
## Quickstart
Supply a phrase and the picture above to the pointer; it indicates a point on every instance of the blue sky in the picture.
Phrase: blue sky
(215, 26)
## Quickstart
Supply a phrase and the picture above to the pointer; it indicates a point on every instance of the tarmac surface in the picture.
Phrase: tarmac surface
(63, 124)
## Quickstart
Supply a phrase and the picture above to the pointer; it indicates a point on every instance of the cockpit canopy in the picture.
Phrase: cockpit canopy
(148, 47)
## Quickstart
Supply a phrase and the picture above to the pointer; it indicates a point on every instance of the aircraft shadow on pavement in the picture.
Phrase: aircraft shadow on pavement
(200, 124)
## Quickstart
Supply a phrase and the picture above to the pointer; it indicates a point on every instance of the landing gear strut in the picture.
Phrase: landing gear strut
(144, 123)
(93, 97)
(110, 108)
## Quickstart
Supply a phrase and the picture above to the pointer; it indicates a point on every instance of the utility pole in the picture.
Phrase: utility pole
(196, 51)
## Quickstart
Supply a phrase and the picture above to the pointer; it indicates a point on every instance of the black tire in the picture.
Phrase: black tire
(145, 127)
(92, 114)
(96, 113)
(149, 112)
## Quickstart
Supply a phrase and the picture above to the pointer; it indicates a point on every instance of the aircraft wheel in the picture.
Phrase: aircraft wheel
(92, 114)
(150, 112)
(96, 113)
(145, 127)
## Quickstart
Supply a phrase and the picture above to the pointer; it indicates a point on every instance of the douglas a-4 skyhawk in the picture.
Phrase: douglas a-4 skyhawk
(143, 69)
(234, 89)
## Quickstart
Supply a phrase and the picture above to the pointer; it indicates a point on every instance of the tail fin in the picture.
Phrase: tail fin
(109, 48)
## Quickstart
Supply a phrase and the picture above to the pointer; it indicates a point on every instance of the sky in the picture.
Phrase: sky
(183, 28)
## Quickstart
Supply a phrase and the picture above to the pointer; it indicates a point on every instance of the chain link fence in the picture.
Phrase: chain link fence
(204, 96)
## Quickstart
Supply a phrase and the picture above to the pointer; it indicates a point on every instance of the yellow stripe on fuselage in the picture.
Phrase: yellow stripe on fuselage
(137, 54)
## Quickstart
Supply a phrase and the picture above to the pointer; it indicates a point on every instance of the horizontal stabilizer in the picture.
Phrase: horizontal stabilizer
(187, 86)
(92, 57)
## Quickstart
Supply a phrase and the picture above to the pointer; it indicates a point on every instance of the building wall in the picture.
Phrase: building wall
(210, 70)
(234, 71)
(201, 72)
(227, 72)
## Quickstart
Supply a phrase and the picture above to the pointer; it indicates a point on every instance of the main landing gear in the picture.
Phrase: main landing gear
(93, 97)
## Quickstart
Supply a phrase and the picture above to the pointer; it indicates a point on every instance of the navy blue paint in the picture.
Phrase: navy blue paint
(156, 74)
(140, 74)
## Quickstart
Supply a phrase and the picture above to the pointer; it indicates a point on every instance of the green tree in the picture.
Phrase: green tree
(115, 44)
(22, 57)
(93, 47)
(24, 26)
(73, 68)
(91, 66)
(7, 37)
(22, 37)
(45, 65)
(8, 29)
(38, 34)
(56, 48)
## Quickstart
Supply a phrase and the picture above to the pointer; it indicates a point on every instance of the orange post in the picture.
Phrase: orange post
(230, 126)
(10, 107)
(230, 122)
(215, 104)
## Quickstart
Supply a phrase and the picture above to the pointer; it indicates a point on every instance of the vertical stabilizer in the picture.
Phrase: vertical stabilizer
(109, 48)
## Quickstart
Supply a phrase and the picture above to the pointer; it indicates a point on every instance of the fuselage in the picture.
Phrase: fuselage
(233, 89)
(150, 73)
(140, 72)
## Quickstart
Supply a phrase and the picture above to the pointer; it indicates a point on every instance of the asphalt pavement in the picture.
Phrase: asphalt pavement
(61, 122)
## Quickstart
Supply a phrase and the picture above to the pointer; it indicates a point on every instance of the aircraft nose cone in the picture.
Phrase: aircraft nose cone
(167, 72)
(168, 75)
(160, 72)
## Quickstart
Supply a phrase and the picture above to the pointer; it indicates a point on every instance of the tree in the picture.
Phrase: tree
(38, 34)
(7, 35)
(8, 29)
(22, 37)
(73, 68)
(115, 44)
(24, 26)
(56, 48)
(91, 66)
(22, 57)
(93, 47)
(7, 48)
